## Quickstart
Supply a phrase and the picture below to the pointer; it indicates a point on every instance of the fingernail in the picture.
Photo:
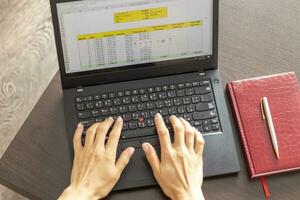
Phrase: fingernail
(131, 151)
(157, 115)
(110, 118)
(80, 125)
(145, 147)
(119, 119)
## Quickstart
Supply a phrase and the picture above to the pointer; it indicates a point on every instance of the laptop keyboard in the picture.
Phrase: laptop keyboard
(194, 101)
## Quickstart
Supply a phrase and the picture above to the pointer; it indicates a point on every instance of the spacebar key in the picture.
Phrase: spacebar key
(138, 133)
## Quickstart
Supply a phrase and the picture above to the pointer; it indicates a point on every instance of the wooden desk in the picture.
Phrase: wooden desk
(256, 38)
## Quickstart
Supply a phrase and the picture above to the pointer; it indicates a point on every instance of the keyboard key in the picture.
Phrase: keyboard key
(159, 104)
(127, 93)
(142, 91)
(204, 115)
(189, 91)
(120, 94)
(158, 89)
(97, 97)
(188, 85)
(90, 105)
(151, 90)
(207, 128)
(153, 97)
(108, 103)
(86, 123)
(168, 103)
(204, 82)
(112, 95)
(165, 88)
(162, 95)
(79, 99)
(98, 104)
(95, 113)
(171, 94)
(207, 98)
(134, 144)
(104, 112)
(204, 106)
(172, 111)
(186, 100)
(135, 92)
(132, 125)
(163, 112)
(142, 124)
(177, 102)
(135, 116)
(202, 90)
(180, 93)
(117, 101)
(135, 99)
(206, 122)
(80, 106)
(150, 122)
(114, 111)
(150, 106)
(181, 110)
(190, 108)
(141, 106)
(123, 109)
(214, 121)
(181, 85)
(132, 108)
(195, 99)
(215, 127)
(198, 123)
(104, 96)
(196, 83)
(138, 133)
(83, 115)
(89, 98)
(126, 117)
(144, 98)
(126, 100)
(172, 87)
(145, 114)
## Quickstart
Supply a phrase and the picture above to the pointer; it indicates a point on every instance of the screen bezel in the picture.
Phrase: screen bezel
(133, 72)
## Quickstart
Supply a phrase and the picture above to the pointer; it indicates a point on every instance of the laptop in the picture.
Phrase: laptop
(136, 58)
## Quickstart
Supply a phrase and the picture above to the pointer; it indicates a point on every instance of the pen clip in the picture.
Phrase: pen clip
(262, 109)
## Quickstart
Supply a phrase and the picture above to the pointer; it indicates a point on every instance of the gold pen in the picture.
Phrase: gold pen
(266, 114)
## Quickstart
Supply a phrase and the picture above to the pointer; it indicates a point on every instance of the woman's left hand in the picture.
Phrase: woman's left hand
(95, 169)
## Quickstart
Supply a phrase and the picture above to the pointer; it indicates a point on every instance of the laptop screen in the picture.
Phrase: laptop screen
(102, 34)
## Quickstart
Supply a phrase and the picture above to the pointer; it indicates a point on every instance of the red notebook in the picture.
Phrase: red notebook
(283, 94)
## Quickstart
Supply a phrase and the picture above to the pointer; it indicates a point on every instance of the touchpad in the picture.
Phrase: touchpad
(138, 167)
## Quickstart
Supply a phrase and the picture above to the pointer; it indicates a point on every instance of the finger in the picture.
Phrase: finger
(90, 134)
(77, 138)
(163, 132)
(102, 130)
(189, 134)
(178, 131)
(152, 157)
(124, 159)
(199, 146)
(114, 135)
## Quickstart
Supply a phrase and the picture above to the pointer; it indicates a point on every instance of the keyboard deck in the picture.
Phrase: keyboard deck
(194, 101)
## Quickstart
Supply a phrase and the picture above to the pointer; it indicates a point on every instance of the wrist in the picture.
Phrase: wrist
(72, 193)
(189, 195)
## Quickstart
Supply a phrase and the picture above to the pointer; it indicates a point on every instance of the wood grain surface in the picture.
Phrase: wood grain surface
(27, 64)
(256, 38)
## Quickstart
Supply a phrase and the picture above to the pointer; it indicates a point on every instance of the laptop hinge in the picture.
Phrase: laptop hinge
(79, 89)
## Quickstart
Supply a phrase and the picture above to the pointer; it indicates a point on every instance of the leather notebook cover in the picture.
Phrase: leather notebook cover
(283, 94)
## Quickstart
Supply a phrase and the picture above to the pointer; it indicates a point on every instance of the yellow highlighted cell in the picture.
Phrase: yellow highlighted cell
(139, 15)
(140, 30)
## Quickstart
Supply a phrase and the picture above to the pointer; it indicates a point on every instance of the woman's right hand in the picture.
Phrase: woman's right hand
(179, 171)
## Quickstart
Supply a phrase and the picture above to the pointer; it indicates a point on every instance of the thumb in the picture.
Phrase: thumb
(152, 157)
(124, 159)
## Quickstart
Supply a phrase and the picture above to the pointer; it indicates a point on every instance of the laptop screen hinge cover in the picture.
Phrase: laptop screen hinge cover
(79, 89)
